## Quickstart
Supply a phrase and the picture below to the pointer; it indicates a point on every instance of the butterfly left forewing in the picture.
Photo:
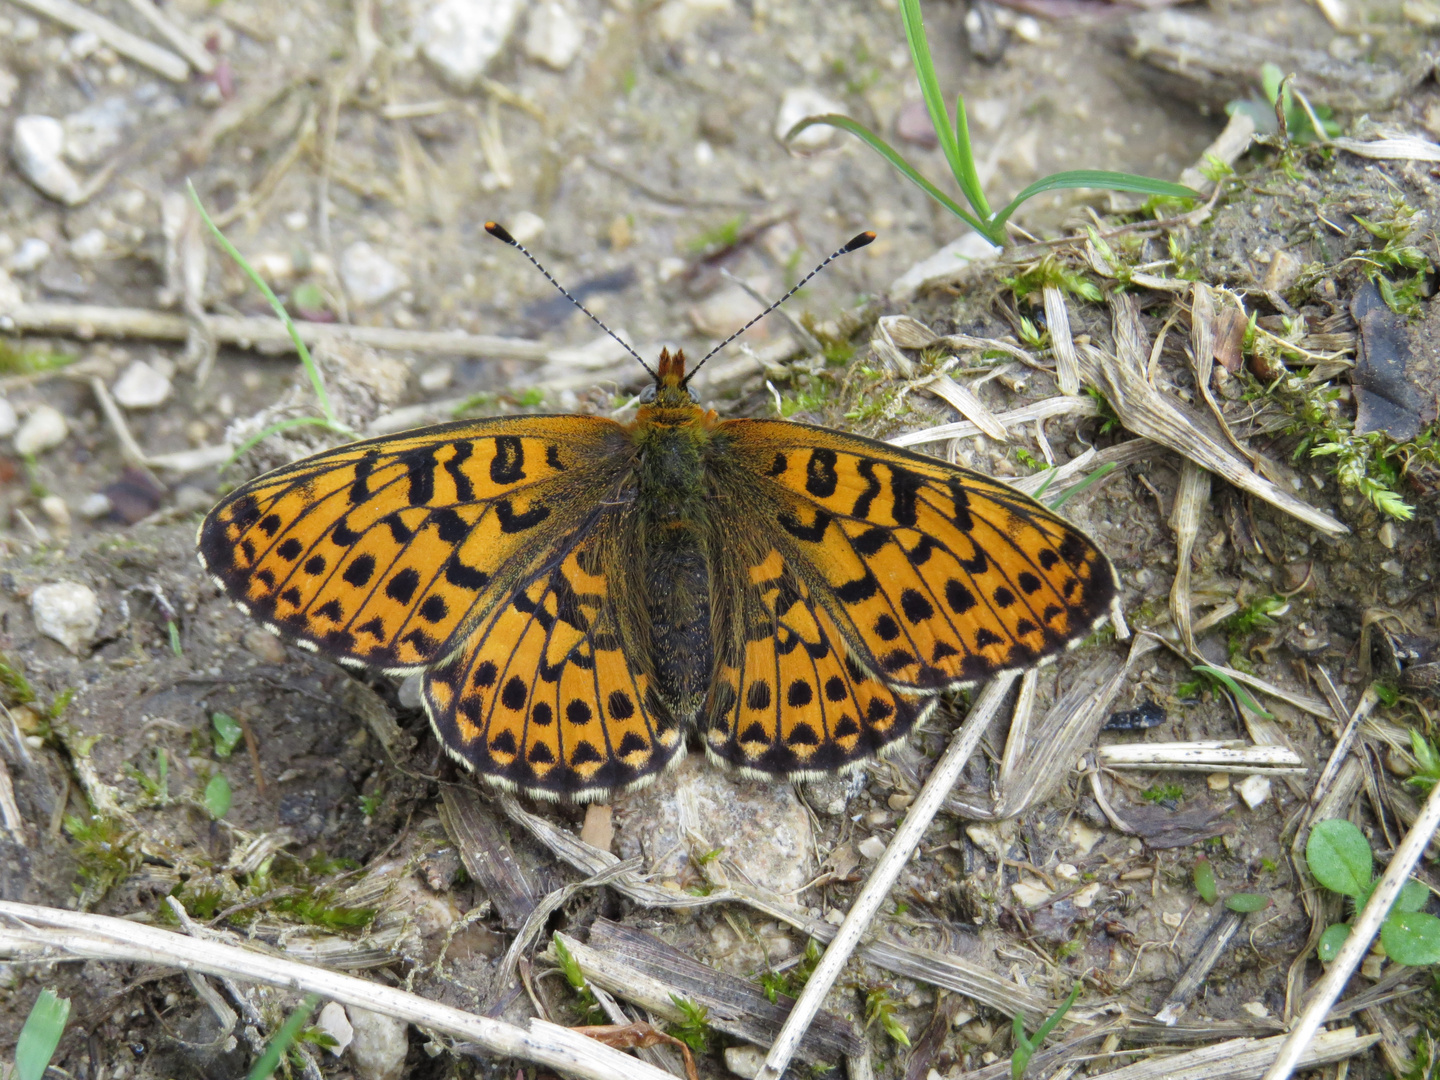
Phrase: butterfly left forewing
(937, 576)
(384, 551)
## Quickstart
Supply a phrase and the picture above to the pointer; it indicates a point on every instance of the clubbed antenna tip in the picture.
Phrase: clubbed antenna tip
(499, 232)
(854, 245)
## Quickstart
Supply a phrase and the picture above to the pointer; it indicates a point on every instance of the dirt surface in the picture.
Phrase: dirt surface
(357, 178)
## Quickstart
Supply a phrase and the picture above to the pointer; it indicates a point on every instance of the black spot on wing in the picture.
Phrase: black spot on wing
(508, 464)
(402, 586)
(290, 549)
(812, 533)
(820, 477)
(904, 487)
(511, 522)
(866, 468)
(450, 526)
(464, 490)
(360, 570)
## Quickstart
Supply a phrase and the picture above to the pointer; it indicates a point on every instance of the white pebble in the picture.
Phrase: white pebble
(526, 227)
(554, 35)
(461, 37)
(8, 421)
(36, 143)
(32, 252)
(68, 612)
(798, 103)
(409, 693)
(872, 847)
(44, 429)
(141, 387)
(8, 85)
(95, 505)
(744, 1060)
(333, 1022)
(679, 19)
(89, 245)
(1030, 892)
(84, 44)
(380, 1044)
(53, 507)
(437, 378)
(369, 277)
(298, 221)
(1255, 790)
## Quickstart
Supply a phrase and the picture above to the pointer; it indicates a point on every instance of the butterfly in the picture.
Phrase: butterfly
(579, 594)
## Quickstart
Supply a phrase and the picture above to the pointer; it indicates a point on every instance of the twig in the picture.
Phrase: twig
(1026, 414)
(147, 54)
(867, 904)
(185, 42)
(1362, 932)
(264, 334)
(39, 933)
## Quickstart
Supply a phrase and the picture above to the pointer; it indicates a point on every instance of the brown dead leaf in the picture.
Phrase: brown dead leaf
(637, 1036)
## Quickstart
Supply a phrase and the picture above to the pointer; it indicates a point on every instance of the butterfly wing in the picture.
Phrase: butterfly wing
(934, 575)
(549, 694)
(788, 696)
(385, 552)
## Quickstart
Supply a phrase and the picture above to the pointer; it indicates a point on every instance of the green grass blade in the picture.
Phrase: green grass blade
(885, 150)
(298, 421)
(1241, 694)
(966, 175)
(267, 1062)
(1065, 496)
(310, 369)
(40, 1035)
(929, 83)
(1098, 178)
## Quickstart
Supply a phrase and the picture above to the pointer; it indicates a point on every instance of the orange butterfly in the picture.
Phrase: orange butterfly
(581, 593)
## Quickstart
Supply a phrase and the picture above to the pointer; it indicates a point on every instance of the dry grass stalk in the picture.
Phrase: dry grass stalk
(185, 43)
(1057, 318)
(1026, 414)
(1241, 1059)
(1191, 497)
(872, 894)
(1362, 933)
(145, 53)
(39, 934)
(486, 854)
(1217, 940)
(1204, 757)
(968, 404)
(1146, 411)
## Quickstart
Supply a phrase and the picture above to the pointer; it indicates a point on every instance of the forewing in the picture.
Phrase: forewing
(938, 576)
(545, 696)
(386, 551)
(788, 697)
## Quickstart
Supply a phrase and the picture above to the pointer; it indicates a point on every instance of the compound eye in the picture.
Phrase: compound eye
(648, 394)
(693, 396)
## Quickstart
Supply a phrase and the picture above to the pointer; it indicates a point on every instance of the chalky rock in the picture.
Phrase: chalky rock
(1255, 790)
(745, 1061)
(36, 145)
(379, 1045)
(369, 277)
(28, 256)
(68, 612)
(141, 387)
(798, 103)
(461, 37)
(97, 131)
(333, 1022)
(44, 429)
(554, 35)
(678, 19)
(8, 420)
(761, 828)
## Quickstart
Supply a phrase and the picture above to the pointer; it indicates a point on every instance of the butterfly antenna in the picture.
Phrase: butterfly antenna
(855, 244)
(499, 232)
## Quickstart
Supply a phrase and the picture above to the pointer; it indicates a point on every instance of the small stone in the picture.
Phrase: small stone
(190, 499)
(554, 35)
(36, 144)
(1256, 1009)
(68, 612)
(1081, 836)
(89, 245)
(369, 277)
(872, 847)
(1067, 872)
(437, 378)
(97, 131)
(1255, 790)
(745, 1061)
(725, 311)
(54, 508)
(95, 505)
(899, 801)
(1372, 967)
(8, 420)
(1393, 568)
(798, 103)
(461, 37)
(1030, 892)
(263, 645)
(1084, 898)
(526, 227)
(141, 387)
(912, 125)
(28, 256)
(44, 429)
(1218, 781)
(409, 693)
(332, 1021)
(598, 829)
(678, 19)
(1172, 919)
(1282, 273)
(834, 916)
(8, 85)
(378, 1046)
(297, 221)
(1386, 535)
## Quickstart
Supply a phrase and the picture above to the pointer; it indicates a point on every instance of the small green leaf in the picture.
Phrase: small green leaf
(217, 796)
(1246, 902)
(40, 1035)
(1204, 877)
(266, 1064)
(1339, 857)
(1412, 938)
(1331, 940)
(227, 734)
(1413, 896)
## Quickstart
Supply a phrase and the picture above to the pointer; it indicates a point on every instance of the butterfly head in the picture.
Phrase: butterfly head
(669, 390)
